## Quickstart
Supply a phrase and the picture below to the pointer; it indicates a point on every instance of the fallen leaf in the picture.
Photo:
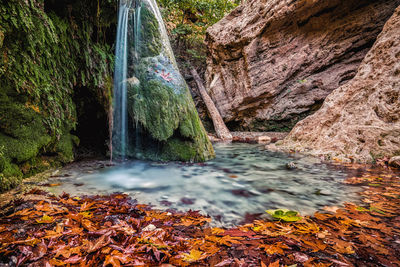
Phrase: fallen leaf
(195, 255)
(45, 219)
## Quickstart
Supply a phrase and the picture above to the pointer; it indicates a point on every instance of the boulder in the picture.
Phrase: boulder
(264, 139)
(360, 120)
(395, 162)
(272, 63)
(163, 119)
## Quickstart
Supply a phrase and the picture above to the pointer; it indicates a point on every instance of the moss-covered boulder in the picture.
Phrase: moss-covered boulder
(159, 100)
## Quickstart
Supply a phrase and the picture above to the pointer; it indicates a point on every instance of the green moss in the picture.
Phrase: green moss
(150, 43)
(65, 147)
(176, 149)
(167, 113)
(46, 52)
(154, 108)
(9, 182)
(1, 37)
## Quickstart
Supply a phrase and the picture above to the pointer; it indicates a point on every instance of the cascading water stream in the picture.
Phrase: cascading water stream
(137, 25)
(151, 98)
(120, 119)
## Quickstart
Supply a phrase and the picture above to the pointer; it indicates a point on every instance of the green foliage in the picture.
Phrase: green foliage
(44, 55)
(285, 215)
(187, 22)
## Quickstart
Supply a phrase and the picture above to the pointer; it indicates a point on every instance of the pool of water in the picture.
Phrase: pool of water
(241, 183)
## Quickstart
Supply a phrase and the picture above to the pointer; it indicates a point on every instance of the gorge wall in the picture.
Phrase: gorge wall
(359, 121)
(272, 63)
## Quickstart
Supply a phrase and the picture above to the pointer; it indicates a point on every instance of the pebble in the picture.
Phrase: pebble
(149, 227)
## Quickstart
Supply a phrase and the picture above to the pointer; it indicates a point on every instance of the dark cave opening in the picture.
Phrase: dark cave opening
(92, 126)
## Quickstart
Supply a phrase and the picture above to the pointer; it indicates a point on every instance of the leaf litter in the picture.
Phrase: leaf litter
(115, 230)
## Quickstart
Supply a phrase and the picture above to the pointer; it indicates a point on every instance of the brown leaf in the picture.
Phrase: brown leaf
(103, 241)
(73, 259)
(277, 247)
(114, 261)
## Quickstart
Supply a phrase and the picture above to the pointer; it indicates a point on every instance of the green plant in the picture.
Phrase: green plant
(187, 22)
(285, 215)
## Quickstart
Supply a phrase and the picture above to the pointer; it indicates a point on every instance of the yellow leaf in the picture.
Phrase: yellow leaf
(45, 219)
(86, 214)
(194, 255)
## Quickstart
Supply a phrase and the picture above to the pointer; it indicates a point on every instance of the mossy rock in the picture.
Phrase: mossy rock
(150, 42)
(46, 51)
(160, 101)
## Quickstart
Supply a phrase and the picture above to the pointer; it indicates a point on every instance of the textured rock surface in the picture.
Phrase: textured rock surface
(395, 162)
(359, 120)
(252, 137)
(272, 63)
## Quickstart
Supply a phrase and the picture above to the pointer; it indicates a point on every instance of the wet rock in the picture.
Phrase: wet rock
(257, 137)
(272, 63)
(242, 193)
(359, 121)
(213, 138)
(187, 201)
(395, 162)
(264, 139)
(291, 166)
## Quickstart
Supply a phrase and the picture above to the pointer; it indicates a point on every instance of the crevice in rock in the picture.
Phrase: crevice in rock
(92, 126)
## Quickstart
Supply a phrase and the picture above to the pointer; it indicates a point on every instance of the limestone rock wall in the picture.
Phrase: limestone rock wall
(272, 63)
(361, 119)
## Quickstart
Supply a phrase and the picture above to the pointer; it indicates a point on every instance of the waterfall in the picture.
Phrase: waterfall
(120, 116)
(137, 25)
(151, 98)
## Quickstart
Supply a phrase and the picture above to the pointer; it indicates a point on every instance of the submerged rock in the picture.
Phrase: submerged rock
(360, 120)
(264, 139)
(272, 63)
(291, 166)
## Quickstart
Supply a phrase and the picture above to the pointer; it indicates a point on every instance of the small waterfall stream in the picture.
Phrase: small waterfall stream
(120, 120)
(145, 68)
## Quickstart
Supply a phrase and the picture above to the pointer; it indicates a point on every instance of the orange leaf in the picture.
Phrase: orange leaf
(110, 259)
(316, 244)
(274, 248)
(87, 206)
(274, 264)
(228, 240)
(217, 231)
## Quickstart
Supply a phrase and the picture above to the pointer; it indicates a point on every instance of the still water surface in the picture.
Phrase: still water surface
(242, 182)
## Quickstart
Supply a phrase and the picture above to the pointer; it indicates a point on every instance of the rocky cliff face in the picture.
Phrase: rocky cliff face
(359, 120)
(272, 63)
